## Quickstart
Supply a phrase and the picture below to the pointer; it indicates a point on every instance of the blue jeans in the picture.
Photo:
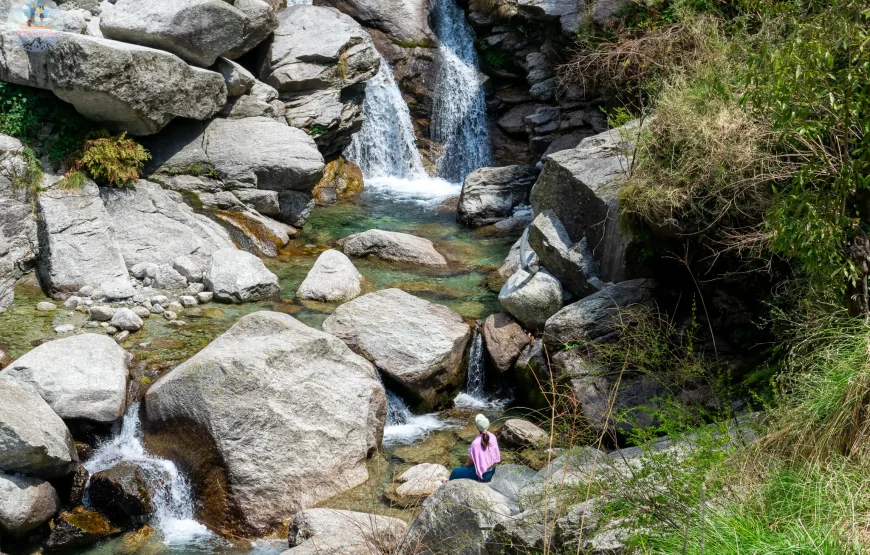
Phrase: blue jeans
(468, 473)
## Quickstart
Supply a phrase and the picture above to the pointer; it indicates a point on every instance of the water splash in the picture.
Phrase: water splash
(459, 119)
(405, 427)
(299, 2)
(475, 397)
(173, 499)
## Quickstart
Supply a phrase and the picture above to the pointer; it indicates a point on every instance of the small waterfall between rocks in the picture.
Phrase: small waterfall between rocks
(475, 396)
(405, 427)
(459, 120)
(173, 499)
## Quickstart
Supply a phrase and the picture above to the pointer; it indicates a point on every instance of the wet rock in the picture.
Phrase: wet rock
(238, 277)
(341, 180)
(599, 317)
(78, 528)
(128, 87)
(123, 492)
(255, 152)
(573, 265)
(25, 504)
(504, 339)
(294, 207)
(83, 376)
(491, 194)
(197, 31)
(320, 531)
(531, 298)
(127, 320)
(153, 225)
(591, 176)
(77, 242)
(457, 518)
(520, 433)
(35, 440)
(418, 345)
(307, 413)
(332, 279)
(390, 245)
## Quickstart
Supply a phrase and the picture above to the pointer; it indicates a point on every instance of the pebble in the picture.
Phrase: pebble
(160, 299)
(175, 307)
(205, 297)
(81, 308)
(169, 315)
(141, 312)
(187, 301)
(86, 291)
(122, 336)
(92, 324)
(102, 313)
(139, 299)
(88, 302)
(177, 323)
(66, 328)
(104, 324)
(73, 302)
(46, 306)
(111, 330)
(148, 282)
(196, 288)
(156, 309)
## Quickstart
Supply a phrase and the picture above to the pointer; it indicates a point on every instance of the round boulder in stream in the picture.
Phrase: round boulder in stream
(270, 418)
(418, 345)
(123, 493)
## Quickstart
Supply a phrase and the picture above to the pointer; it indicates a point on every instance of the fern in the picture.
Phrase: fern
(115, 160)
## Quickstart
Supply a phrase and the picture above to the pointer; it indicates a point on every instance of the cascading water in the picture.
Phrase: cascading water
(474, 396)
(403, 426)
(173, 500)
(459, 121)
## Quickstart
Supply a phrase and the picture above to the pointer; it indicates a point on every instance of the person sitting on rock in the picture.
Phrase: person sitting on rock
(483, 455)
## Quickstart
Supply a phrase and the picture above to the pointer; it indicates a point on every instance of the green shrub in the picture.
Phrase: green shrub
(73, 181)
(115, 160)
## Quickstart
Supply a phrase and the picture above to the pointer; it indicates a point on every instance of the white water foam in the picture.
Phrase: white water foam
(404, 427)
(173, 500)
(459, 120)
(424, 189)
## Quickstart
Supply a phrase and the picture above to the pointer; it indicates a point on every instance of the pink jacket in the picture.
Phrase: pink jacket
(484, 458)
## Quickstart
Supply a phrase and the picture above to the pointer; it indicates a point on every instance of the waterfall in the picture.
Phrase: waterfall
(459, 119)
(403, 426)
(299, 2)
(173, 499)
(474, 397)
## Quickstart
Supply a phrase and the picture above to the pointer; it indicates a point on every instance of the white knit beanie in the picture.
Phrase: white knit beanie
(482, 422)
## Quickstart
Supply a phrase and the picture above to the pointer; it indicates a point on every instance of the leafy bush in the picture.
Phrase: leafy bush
(115, 160)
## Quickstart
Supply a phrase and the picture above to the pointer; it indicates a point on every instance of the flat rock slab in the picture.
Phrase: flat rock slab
(417, 344)
(83, 376)
(306, 413)
(394, 246)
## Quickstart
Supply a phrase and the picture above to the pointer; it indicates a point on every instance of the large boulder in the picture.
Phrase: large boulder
(306, 414)
(572, 264)
(317, 48)
(77, 245)
(323, 531)
(457, 519)
(391, 245)
(331, 116)
(81, 376)
(531, 298)
(332, 279)
(581, 186)
(599, 317)
(505, 339)
(25, 504)
(238, 277)
(17, 227)
(418, 345)
(197, 31)
(261, 22)
(244, 153)
(153, 225)
(35, 440)
(491, 194)
(125, 86)
(406, 22)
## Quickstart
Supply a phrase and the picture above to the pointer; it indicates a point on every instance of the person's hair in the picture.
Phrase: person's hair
(484, 440)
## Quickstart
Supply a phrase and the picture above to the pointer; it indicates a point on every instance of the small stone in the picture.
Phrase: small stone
(196, 288)
(46, 306)
(126, 319)
(169, 315)
(102, 313)
(139, 299)
(92, 325)
(176, 323)
(205, 297)
(66, 328)
(73, 302)
(111, 330)
(70, 313)
(82, 308)
(104, 324)
(122, 336)
(160, 299)
(89, 302)
(175, 306)
(86, 291)
(148, 282)
(142, 312)
(117, 289)
(187, 301)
